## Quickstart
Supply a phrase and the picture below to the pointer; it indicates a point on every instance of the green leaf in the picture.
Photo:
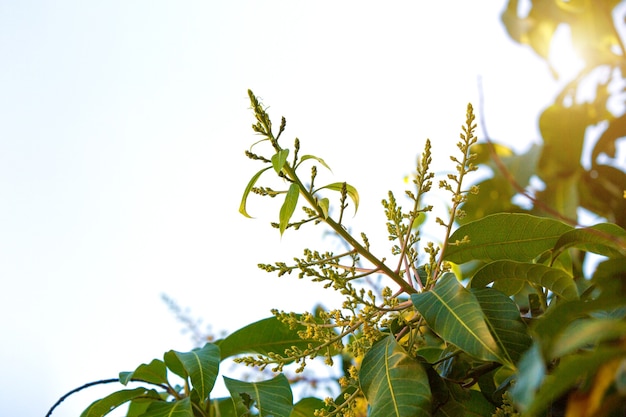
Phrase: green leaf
(338, 186)
(244, 199)
(289, 206)
(512, 236)
(324, 204)
(109, 403)
(202, 366)
(504, 321)
(455, 315)
(180, 408)
(155, 373)
(320, 160)
(510, 278)
(223, 407)
(394, 383)
(306, 407)
(272, 397)
(279, 159)
(606, 239)
(262, 337)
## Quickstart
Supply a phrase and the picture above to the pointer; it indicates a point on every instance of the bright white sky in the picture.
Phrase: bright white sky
(122, 131)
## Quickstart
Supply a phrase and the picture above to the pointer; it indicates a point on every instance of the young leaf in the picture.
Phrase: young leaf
(516, 237)
(109, 403)
(272, 397)
(155, 372)
(510, 277)
(320, 160)
(202, 366)
(279, 159)
(352, 192)
(289, 206)
(394, 383)
(246, 192)
(456, 316)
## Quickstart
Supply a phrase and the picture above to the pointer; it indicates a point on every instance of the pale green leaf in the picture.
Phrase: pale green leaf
(272, 397)
(289, 206)
(394, 383)
(454, 313)
(510, 277)
(582, 334)
(352, 192)
(306, 407)
(324, 204)
(244, 198)
(512, 236)
(320, 160)
(279, 159)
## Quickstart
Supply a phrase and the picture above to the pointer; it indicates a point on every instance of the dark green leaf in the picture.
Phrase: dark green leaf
(202, 366)
(394, 383)
(504, 321)
(180, 408)
(606, 239)
(223, 407)
(289, 206)
(306, 407)
(155, 372)
(516, 237)
(454, 313)
(279, 159)
(510, 277)
(272, 397)
(244, 199)
(107, 404)
(262, 337)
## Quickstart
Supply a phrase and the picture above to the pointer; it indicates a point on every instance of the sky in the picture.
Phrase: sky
(123, 126)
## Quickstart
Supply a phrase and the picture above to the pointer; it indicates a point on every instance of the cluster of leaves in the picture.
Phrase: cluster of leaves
(515, 334)
(505, 316)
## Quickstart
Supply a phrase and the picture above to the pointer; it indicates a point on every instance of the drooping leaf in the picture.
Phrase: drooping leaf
(279, 159)
(109, 403)
(272, 397)
(289, 206)
(155, 372)
(324, 204)
(179, 408)
(504, 321)
(394, 383)
(512, 236)
(606, 239)
(510, 277)
(320, 160)
(455, 314)
(352, 192)
(246, 192)
(262, 337)
(202, 366)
